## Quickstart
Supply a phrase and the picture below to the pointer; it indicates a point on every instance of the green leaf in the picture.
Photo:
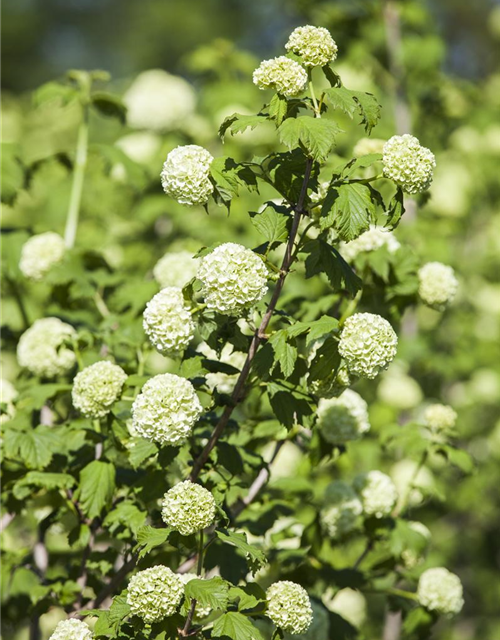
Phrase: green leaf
(271, 224)
(418, 620)
(248, 596)
(235, 626)
(38, 394)
(42, 480)
(278, 108)
(212, 593)
(288, 406)
(316, 136)
(325, 325)
(341, 98)
(236, 123)
(458, 457)
(326, 361)
(284, 353)
(140, 450)
(125, 513)
(35, 447)
(97, 484)
(255, 556)
(323, 258)
(109, 105)
(332, 77)
(395, 210)
(350, 209)
(148, 538)
(350, 101)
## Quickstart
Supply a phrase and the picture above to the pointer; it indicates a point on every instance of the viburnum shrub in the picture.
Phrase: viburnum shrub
(157, 471)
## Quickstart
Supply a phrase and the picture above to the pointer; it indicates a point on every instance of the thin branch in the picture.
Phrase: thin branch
(259, 334)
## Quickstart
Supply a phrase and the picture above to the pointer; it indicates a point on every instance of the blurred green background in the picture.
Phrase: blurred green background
(435, 68)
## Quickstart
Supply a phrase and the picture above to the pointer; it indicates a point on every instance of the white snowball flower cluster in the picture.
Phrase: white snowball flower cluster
(175, 269)
(344, 418)
(188, 507)
(186, 174)
(440, 417)
(201, 611)
(155, 593)
(367, 146)
(40, 253)
(167, 321)
(377, 492)
(72, 629)
(97, 387)
(282, 74)
(166, 410)
(8, 394)
(289, 607)
(371, 240)
(234, 278)
(314, 45)
(319, 628)
(412, 557)
(437, 285)
(158, 100)
(368, 344)
(41, 348)
(441, 591)
(343, 508)
(408, 164)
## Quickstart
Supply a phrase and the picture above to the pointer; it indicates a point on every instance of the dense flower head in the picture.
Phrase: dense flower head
(175, 269)
(368, 344)
(371, 240)
(166, 409)
(408, 164)
(343, 508)
(377, 493)
(186, 174)
(155, 593)
(158, 100)
(412, 557)
(282, 74)
(367, 146)
(201, 611)
(441, 591)
(289, 607)
(8, 394)
(97, 387)
(40, 253)
(234, 278)
(72, 629)
(344, 418)
(440, 417)
(42, 348)
(319, 629)
(188, 507)
(314, 45)
(167, 321)
(437, 285)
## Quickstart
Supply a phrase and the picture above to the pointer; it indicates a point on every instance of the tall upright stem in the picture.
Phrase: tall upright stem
(78, 177)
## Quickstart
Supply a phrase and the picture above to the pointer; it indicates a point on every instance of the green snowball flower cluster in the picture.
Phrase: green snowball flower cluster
(440, 417)
(188, 507)
(155, 593)
(408, 163)
(368, 344)
(282, 74)
(42, 348)
(437, 285)
(441, 591)
(186, 174)
(166, 410)
(167, 322)
(344, 418)
(314, 45)
(343, 507)
(233, 277)
(175, 269)
(72, 629)
(371, 240)
(289, 607)
(40, 253)
(377, 493)
(97, 387)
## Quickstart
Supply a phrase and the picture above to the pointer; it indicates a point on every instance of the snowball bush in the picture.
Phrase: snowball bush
(168, 322)
(175, 269)
(166, 409)
(371, 240)
(155, 593)
(72, 629)
(40, 253)
(408, 164)
(440, 417)
(314, 45)
(186, 174)
(344, 418)
(377, 493)
(282, 74)
(43, 349)
(188, 507)
(441, 591)
(289, 607)
(234, 278)
(97, 387)
(437, 285)
(343, 508)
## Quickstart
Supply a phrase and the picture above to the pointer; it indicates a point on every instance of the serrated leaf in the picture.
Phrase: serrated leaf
(316, 136)
(350, 101)
(235, 626)
(323, 258)
(255, 556)
(41, 479)
(35, 447)
(212, 593)
(140, 450)
(271, 224)
(148, 538)
(278, 108)
(326, 361)
(284, 353)
(396, 209)
(349, 208)
(96, 488)
(237, 123)
(288, 406)
(341, 98)
(248, 596)
(125, 513)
